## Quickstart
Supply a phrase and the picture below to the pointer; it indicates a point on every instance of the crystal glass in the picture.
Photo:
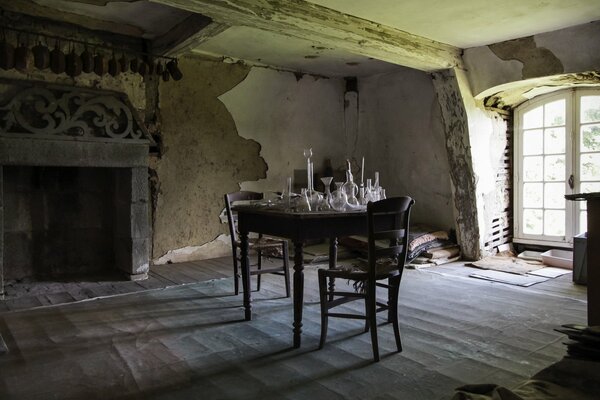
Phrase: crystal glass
(340, 200)
(362, 200)
(286, 194)
(302, 203)
(326, 202)
(315, 199)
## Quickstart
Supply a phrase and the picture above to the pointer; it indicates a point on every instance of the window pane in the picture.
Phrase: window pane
(554, 195)
(532, 169)
(590, 109)
(554, 113)
(554, 222)
(533, 142)
(532, 222)
(554, 142)
(590, 137)
(533, 118)
(582, 222)
(554, 168)
(533, 195)
(590, 167)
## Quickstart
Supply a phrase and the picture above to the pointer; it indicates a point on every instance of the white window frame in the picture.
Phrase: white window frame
(572, 130)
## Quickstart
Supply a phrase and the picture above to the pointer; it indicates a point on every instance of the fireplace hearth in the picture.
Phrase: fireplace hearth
(73, 182)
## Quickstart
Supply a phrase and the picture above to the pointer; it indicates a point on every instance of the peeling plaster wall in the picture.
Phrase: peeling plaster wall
(570, 50)
(203, 156)
(285, 114)
(402, 137)
(226, 127)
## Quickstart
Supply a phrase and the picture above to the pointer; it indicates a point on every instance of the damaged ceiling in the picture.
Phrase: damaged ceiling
(322, 37)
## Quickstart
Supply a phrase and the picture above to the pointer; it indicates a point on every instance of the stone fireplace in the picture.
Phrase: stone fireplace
(73, 182)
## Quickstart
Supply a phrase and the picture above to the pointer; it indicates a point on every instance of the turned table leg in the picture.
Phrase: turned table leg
(298, 291)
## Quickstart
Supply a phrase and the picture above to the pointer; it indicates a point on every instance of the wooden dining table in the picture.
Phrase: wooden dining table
(298, 227)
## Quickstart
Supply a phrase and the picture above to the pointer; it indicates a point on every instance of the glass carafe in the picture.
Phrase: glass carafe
(351, 189)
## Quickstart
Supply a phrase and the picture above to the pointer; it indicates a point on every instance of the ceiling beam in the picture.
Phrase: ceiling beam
(328, 27)
(187, 35)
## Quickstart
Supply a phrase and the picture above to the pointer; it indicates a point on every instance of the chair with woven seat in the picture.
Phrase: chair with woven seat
(261, 245)
(387, 247)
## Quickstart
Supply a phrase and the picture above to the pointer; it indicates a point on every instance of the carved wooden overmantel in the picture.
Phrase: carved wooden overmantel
(55, 125)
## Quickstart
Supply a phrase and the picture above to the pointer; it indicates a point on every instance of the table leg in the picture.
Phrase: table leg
(332, 262)
(246, 275)
(298, 291)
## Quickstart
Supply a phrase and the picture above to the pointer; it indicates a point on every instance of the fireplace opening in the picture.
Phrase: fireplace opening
(61, 221)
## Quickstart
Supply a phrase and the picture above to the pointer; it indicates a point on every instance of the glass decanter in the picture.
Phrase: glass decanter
(339, 200)
(350, 188)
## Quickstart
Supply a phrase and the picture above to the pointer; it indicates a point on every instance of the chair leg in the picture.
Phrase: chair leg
(367, 321)
(258, 266)
(236, 278)
(393, 311)
(323, 300)
(286, 268)
(372, 318)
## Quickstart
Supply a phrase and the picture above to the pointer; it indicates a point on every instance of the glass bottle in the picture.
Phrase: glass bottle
(350, 188)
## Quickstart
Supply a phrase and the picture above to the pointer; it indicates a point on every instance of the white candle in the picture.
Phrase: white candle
(362, 171)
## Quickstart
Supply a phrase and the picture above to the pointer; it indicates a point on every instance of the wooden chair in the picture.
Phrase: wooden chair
(387, 221)
(260, 245)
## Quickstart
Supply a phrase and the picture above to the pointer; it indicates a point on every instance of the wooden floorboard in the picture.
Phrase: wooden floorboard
(190, 341)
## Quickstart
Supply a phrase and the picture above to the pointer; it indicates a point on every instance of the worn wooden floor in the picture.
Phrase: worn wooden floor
(189, 341)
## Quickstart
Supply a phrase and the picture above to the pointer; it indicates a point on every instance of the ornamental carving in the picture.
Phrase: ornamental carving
(75, 113)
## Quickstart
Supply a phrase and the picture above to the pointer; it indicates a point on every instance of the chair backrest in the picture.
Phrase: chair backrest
(231, 198)
(388, 221)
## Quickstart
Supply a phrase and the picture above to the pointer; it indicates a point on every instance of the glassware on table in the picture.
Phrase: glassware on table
(302, 202)
(286, 194)
(362, 199)
(326, 201)
(370, 194)
(349, 186)
(339, 200)
(315, 199)
(351, 189)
